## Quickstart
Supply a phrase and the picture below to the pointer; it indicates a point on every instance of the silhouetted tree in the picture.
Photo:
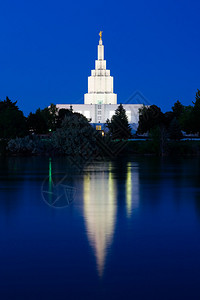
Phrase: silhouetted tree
(12, 120)
(177, 109)
(186, 120)
(168, 117)
(196, 113)
(189, 118)
(119, 127)
(149, 117)
(43, 120)
(62, 113)
(52, 116)
(174, 130)
(38, 122)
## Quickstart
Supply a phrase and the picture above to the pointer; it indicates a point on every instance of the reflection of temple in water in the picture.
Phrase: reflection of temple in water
(100, 213)
(100, 189)
(132, 188)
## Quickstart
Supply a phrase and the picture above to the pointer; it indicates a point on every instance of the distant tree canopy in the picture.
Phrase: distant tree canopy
(177, 109)
(43, 120)
(181, 118)
(149, 117)
(75, 137)
(189, 116)
(151, 120)
(12, 120)
(156, 123)
(174, 130)
(186, 120)
(119, 127)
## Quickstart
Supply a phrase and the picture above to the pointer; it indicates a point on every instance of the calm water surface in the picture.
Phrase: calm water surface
(126, 229)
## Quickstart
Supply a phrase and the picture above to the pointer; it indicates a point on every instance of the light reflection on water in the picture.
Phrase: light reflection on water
(132, 223)
(100, 213)
(132, 188)
(100, 207)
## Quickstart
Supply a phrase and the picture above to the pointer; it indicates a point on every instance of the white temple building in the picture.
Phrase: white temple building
(100, 102)
(100, 83)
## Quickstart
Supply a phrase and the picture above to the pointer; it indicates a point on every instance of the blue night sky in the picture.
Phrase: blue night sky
(49, 47)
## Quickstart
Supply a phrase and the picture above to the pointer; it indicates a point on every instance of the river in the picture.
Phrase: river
(114, 229)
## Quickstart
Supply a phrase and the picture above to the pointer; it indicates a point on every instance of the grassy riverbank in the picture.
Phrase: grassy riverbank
(122, 148)
(171, 148)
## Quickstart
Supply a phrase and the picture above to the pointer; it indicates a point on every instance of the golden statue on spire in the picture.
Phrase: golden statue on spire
(100, 34)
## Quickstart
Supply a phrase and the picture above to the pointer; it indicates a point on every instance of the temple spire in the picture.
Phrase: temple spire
(100, 83)
(100, 47)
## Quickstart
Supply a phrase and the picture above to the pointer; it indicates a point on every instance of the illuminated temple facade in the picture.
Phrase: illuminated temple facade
(100, 102)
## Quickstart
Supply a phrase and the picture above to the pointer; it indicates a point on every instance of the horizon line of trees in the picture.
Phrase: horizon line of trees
(180, 119)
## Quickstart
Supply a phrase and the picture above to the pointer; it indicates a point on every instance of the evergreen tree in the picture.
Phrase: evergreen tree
(186, 120)
(12, 120)
(119, 127)
(177, 109)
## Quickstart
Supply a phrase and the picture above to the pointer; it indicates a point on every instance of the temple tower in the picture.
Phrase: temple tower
(100, 83)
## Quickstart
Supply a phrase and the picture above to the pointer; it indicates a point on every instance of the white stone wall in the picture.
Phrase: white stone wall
(100, 98)
(100, 84)
(99, 113)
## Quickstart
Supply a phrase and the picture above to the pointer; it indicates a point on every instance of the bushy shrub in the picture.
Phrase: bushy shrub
(75, 137)
(29, 145)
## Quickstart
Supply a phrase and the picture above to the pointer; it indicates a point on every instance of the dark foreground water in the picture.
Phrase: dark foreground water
(126, 229)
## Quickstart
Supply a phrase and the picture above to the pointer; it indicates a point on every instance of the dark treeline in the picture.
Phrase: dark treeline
(181, 119)
(53, 131)
(164, 129)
